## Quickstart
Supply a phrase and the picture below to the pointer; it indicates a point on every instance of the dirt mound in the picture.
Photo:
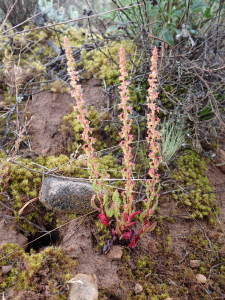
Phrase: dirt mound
(48, 110)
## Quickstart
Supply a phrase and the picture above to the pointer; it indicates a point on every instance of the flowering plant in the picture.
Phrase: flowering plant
(122, 212)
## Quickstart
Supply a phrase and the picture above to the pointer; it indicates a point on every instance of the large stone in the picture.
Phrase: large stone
(83, 287)
(66, 195)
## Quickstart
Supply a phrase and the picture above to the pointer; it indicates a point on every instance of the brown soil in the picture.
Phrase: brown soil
(80, 246)
(10, 235)
(48, 110)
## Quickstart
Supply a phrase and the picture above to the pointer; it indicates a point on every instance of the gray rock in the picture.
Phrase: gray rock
(66, 196)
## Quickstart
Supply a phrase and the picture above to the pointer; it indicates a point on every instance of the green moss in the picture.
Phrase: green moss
(101, 235)
(27, 267)
(190, 174)
(58, 86)
(98, 63)
(71, 127)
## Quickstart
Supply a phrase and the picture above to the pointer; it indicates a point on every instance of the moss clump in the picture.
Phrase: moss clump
(190, 174)
(58, 86)
(98, 63)
(72, 127)
(28, 270)
(101, 235)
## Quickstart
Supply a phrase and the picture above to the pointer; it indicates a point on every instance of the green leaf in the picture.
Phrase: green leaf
(187, 2)
(94, 185)
(112, 28)
(196, 3)
(152, 227)
(168, 37)
(105, 199)
(207, 13)
(178, 13)
(141, 216)
(197, 6)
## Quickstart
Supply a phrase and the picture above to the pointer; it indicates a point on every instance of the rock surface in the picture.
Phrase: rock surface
(83, 287)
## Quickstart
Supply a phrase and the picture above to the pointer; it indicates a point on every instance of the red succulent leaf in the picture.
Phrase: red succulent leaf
(146, 226)
(127, 235)
(133, 243)
(113, 232)
(125, 216)
(133, 215)
(130, 224)
(105, 219)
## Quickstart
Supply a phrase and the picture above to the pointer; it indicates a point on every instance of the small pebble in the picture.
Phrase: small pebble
(138, 288)
(6, 270)
(195, 263)
(201, 278)
(115, 253)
